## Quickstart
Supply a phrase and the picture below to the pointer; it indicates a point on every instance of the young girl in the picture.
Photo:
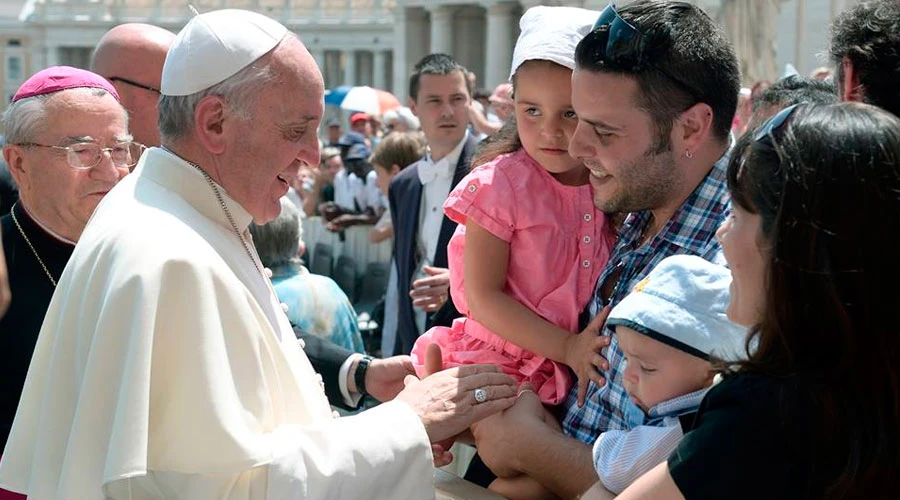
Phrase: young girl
(530, 243)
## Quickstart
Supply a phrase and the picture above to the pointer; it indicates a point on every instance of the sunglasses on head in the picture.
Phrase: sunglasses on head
(621, 38)
(775, 122)
(626, 47)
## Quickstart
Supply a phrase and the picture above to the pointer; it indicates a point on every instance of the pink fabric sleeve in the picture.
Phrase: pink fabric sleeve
(486, 196)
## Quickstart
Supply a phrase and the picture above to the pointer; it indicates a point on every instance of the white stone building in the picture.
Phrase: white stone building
(376, 42)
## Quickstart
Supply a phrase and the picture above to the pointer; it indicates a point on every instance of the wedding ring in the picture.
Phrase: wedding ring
(480, 395)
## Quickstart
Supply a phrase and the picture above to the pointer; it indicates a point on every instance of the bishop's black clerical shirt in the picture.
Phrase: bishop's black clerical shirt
(31, 292)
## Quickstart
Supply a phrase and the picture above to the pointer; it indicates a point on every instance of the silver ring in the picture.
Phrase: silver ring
(480, 395)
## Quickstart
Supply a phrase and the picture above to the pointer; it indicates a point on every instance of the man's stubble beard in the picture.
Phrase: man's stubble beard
(644, 184)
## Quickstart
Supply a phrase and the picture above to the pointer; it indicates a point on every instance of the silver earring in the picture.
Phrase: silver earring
(688, 154)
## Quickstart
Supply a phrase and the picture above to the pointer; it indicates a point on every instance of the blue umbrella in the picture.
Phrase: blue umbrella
(336, 95)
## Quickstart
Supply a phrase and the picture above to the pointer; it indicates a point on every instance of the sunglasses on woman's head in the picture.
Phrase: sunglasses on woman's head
(775, 122)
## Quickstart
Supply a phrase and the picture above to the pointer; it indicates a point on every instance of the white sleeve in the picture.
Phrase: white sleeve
(382, 453)
(351, 400)
(375, 455)
(620, 456)
(373, 194)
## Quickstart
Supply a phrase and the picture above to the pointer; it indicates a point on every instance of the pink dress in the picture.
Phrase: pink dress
(558, 245)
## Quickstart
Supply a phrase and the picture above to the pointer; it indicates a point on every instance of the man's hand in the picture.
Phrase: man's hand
(429, 294)
(583, 355)
(329, 210)
(434, 363)
(495, 436)
(385, 377)
(440, 455)
(341, 222)
(446, 401)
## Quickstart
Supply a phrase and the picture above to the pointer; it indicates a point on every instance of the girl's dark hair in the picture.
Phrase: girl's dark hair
(826, 185)
(506, 140)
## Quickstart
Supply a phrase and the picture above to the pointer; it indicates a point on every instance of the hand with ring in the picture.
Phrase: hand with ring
(429, 294)
(449, 401)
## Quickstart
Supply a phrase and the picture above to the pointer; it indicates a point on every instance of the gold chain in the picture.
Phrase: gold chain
(215, 189)
(33, 250)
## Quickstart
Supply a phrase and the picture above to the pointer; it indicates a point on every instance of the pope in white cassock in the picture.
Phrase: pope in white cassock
(165, 367)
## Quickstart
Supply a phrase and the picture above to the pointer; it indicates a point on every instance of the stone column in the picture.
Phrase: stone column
(51, 55)
(400, 55)
(442, 28)
(319, 55)
(499, 46)
(378, 75)
(800, 45)
(350, 67)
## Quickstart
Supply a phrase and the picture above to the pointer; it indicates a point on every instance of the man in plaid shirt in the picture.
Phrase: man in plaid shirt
(655, 89)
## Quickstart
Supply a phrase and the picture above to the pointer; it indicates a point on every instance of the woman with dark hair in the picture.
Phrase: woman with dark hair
(814, 411)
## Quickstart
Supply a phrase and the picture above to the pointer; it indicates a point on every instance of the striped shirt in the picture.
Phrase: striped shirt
(691, 230)
(621, 456)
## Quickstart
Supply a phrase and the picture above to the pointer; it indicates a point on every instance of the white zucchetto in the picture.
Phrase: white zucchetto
(216, 45)
(551, 34)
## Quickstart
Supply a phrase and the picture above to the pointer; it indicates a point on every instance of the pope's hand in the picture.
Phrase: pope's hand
(385, 377)
(446, 401)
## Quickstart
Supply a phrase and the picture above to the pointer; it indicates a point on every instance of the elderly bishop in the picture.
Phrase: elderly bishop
(67, 146)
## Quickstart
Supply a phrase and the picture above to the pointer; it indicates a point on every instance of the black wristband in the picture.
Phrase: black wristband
(360, 375)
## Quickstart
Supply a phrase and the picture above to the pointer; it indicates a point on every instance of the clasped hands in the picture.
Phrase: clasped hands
(445, 401)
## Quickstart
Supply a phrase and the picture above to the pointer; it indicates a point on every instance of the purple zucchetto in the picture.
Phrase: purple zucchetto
(57, 78)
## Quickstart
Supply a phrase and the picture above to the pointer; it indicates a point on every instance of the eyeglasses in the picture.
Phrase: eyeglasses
(774, 123)
(627, 47)
(87, 155)
(133, 83)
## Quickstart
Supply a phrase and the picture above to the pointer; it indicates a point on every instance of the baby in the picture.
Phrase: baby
(670, 328)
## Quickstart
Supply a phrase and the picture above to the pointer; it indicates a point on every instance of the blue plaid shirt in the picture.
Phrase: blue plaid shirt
(691, 230)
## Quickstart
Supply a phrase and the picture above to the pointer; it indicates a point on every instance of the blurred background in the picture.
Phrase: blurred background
(376, 42)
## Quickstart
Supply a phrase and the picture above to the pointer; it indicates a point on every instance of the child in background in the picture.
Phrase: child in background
(395, 152)
(670, 328)
(530, 244)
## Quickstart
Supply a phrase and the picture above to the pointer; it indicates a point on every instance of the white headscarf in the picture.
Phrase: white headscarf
(551, 34)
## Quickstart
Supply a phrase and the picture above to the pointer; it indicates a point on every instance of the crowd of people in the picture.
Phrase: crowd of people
(618, 275)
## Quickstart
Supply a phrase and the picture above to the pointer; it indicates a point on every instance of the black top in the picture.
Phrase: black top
(752, 439)
(31, 293)
(9, 193)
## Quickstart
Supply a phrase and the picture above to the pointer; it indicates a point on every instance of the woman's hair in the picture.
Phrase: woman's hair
(400, 148)
(826, 186)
